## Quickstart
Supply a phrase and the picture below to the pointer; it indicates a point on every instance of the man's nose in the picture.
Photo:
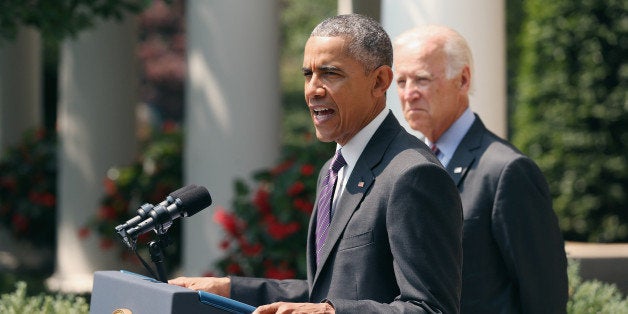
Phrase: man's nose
(314, 88)
(410, 92)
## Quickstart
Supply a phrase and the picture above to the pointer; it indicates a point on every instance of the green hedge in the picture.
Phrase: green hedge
(593, 296)
(19, 302)
(571, 111)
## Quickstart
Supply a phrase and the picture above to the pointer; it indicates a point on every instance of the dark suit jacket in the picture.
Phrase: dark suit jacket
(514, 255)
(394, 240)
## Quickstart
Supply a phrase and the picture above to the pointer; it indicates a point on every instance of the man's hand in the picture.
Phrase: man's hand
(220, 286)
(295, 308)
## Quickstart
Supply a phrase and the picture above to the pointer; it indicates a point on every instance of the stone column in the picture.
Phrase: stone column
(370, 8)
(483, 24)
(20, 86)
(97, 98)
(233, 112)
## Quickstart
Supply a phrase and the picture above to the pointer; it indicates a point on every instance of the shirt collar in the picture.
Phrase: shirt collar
(352, 150)
(448, 142)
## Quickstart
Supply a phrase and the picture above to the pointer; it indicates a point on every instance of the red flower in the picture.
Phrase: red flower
(261, 201)
(107, 213)
(225, 244)
(110, 186)
(84, 233)
(278, 230)
(282, 167)
(249, 249)
(47, 199)
(296, 188)
(20, 223)
(106, 244)
(234, 269)
(34, 197)
(8, 182)
(303, 205)
(307, 170)
(170, 127)
(228, 221)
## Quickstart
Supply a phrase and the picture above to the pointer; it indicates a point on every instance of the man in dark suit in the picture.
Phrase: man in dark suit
(389, 240)
(513, 252)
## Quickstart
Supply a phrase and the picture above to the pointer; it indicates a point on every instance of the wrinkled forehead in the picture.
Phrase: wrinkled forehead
(320, 48)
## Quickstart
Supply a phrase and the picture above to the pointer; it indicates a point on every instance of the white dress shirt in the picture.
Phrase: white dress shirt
(352, 150)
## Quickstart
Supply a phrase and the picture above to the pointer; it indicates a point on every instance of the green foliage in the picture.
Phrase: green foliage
(298, 18)
(27, 188)
(593, 296)
(58, 19)
(19, 302)
(572, 110)
(514, 21)
(155, 174)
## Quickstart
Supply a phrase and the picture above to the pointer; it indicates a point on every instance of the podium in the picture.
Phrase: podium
(127, 292)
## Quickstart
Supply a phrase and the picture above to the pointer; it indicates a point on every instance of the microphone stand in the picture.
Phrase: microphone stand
(156, 250)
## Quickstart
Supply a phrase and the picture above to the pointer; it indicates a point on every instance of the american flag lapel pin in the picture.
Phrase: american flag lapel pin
(458, 170)
(361, 184)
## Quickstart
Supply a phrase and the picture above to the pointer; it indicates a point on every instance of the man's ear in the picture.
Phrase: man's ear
(383, 79)
(465, 79)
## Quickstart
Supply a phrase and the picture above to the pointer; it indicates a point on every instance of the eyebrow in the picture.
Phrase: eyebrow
(324, 68)
(423, 75)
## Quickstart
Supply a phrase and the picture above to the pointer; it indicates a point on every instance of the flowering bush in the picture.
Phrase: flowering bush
(155, 174)
(265, 233)
(27, 188)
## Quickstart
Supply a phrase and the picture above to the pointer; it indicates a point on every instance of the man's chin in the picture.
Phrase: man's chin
(322, 138)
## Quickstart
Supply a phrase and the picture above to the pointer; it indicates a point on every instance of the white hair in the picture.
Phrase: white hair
(454, 45)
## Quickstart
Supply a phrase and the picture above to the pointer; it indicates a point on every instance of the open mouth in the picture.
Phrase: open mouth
(322, 112)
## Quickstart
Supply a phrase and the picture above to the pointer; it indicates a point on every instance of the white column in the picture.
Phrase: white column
(483, 24)
(96, 121)
(20, 86)
(233, 111)
(370, 8)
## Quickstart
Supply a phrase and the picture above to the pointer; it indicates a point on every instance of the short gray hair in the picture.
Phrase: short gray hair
(453, 44)
(368, 42)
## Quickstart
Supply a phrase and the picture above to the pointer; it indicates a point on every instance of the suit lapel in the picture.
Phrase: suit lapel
(359, 182)
(466, 152)
(345, 208)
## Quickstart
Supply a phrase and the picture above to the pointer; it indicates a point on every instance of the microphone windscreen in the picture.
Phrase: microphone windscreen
(194, 200)
(179, 192)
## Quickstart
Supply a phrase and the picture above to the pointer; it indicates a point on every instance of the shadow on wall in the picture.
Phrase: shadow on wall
(604, 262)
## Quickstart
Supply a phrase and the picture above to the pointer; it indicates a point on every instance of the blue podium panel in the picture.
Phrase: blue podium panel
(120, 290)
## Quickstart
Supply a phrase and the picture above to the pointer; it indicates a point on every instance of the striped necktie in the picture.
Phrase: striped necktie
(323, 217)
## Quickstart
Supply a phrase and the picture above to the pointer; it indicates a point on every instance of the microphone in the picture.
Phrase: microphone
(186, 203)
(144, 211)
